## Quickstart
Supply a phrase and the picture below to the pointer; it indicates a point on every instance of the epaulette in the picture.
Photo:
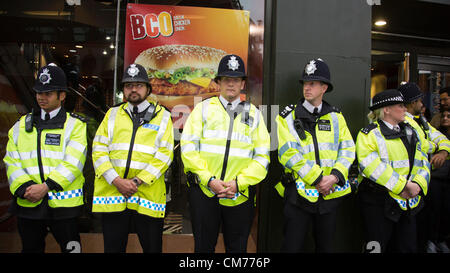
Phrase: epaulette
(80, 117)
(167, 109)
(366, 130)
(335, 109)
(287, 110)
(119, 104)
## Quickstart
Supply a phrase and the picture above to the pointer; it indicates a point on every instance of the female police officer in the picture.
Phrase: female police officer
(394, 175)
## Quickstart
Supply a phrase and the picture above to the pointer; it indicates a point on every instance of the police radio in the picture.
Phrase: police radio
(29, 121)
(298, 124)
(150, 113)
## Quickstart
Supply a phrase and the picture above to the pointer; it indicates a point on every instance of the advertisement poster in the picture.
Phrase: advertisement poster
(181, 47)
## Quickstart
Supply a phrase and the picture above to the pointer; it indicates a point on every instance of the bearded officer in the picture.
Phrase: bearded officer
(225, 151)
(45, 155)
(132, 150)
(316, 148)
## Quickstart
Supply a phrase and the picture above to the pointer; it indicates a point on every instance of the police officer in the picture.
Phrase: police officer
(132, 150)
(438, 148)
(225, 151)
(45, 155)
(316, 148)
(394, 175)
(438, 145)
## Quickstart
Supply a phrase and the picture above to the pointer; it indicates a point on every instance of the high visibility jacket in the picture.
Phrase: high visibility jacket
(212, 144)
(144, 151)
(384, 159)
(55, 151)
(330, 150)
(435, 140)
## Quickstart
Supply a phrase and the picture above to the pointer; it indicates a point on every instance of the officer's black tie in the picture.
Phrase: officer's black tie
(47, 116)
(136, 115)
(316, 112)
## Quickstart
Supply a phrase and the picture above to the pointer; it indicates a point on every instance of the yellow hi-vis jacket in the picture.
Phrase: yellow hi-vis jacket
(214, 145)
(53, 152)
(332, 146)
(144, 152)
(435, 140)
(384, 159)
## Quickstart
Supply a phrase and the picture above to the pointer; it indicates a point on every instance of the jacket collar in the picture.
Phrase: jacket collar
(301, 112)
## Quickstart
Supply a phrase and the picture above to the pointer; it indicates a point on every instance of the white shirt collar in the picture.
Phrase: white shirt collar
(234, 103)
(311, 107)
(52, 113)
(390, 126)
(141, 106)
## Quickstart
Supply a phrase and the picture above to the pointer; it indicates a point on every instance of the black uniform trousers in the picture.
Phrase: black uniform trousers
(386, 224)
(117, 225)
(34, 231)
(207, 215)
(297, 224)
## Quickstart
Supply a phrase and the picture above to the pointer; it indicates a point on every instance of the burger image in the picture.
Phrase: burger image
(178, 73)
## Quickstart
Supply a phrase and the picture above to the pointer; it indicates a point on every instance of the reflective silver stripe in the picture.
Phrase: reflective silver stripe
(216, 149)
(293, 160)
(16, 131)
(77, 146)
(52, 154)
(392, 181)
(161, 156)
(100, 161)
(136, 147)
(65, 194)
(101, 139)
(193, 138)
(261, 151)
(15, 175)
(111, 122)
(346, 153)
(288, 145)
(70, 123)
(205, 105)
(335, 121)
(367, 160)
(137, 166)
(346, 144)
(306, 168)
(66, 173)
(263, 161)
(375, 175)
(189, 147)
(162, 128)
(100, 148)
(382, 149)
(224, 135)
(110, 175)
(290, 122)
(74, 161)
(347, 164)
(400, 164)
(325, 146)
(12, 154)
(327, 163)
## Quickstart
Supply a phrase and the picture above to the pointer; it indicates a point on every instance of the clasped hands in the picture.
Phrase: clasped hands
(223, 189)
(411, 190)
(127, 187)
(325, 185)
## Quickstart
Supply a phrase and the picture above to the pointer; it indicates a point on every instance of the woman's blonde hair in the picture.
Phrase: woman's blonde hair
(376, 114)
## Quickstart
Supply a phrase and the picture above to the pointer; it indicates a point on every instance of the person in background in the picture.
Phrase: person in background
(444, 104)
(438, 200)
